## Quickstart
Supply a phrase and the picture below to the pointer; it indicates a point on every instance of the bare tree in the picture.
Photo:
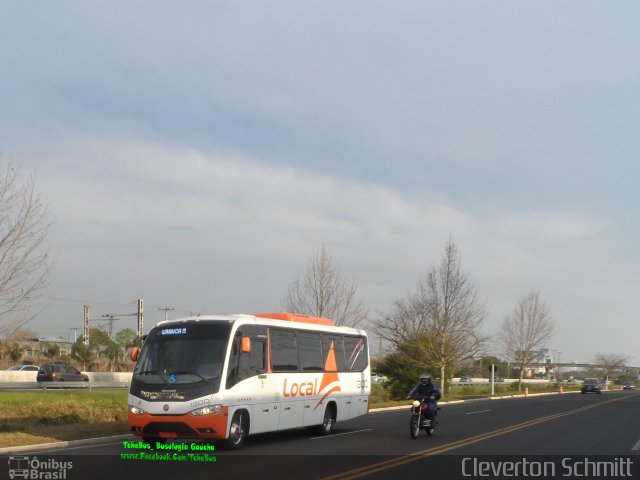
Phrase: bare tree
(23, 334)
(321, 290)
(526, 329)
(440, 320)
(24, 259)
(610, 364)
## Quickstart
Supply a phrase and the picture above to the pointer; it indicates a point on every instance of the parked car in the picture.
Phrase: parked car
(24, 368)
(591, 385)
(465, 380)
(628, 386)
(61, 372)
(377, 378)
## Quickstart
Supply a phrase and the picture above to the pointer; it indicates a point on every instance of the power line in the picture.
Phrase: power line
(111, 319)
(166, 311)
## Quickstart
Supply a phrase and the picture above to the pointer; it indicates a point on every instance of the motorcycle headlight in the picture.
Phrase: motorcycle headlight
(136, 410)
(206, 410)
(416, 403)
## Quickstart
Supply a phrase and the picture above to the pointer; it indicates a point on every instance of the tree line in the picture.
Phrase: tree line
(436, 327)
(102, 353)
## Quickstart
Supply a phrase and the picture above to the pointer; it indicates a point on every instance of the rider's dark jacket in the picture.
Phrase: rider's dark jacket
(421, 391)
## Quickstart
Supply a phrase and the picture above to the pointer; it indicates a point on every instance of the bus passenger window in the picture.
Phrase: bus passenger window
(338, 350)
(310, 350)
(284, 352)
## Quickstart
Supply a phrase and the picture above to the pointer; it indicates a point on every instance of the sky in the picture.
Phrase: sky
(196, 154)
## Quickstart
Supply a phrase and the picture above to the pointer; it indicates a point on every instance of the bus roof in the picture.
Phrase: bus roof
(278, 316)
(296, 317)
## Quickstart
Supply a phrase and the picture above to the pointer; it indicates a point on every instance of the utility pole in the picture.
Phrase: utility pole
(166, 310)
(140, 315)
(86, 325)
(111, 319)
(75, 333)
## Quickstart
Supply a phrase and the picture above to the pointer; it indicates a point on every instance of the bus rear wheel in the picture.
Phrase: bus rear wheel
(328, 420)
(237, 431)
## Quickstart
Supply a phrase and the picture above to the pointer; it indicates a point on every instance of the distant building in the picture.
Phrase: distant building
(33, 350)
(539, 364)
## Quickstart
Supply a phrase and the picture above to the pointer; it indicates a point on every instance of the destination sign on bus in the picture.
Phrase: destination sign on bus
(173, 331)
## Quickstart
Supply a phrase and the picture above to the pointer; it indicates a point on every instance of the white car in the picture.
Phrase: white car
(375, 378)
(24, 368)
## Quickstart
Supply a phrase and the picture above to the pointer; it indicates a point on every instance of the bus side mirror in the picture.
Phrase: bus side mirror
(246, 344)
(135, 351)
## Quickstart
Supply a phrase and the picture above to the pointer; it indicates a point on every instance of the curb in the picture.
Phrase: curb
(54, 445)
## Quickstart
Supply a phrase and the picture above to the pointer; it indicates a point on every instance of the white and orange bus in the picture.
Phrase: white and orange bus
(225, 377)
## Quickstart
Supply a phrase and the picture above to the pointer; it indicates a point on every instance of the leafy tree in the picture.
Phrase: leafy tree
(483, 366)
(114, 353)
(98, 338)
(403, 368)
(126, 337)
(51, 350)
(83, 354)
(15, 352)
(321, 290)
(24, 258)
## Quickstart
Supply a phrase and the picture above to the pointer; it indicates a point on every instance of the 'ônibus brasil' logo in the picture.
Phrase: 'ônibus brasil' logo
(330, 381)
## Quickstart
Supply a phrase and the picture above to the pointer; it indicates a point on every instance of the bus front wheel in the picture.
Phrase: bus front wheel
(237, 430)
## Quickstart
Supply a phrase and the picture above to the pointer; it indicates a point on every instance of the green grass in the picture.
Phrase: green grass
(40, 417)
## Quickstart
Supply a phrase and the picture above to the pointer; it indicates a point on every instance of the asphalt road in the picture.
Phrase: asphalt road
(545, 428)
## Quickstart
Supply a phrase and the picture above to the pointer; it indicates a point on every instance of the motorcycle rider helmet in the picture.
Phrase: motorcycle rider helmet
(425, 378)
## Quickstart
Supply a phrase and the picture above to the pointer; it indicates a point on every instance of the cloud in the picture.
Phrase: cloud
(148, 214)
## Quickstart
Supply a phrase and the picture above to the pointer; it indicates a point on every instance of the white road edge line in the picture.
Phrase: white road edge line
(338, 434)
(478, 411)
(43, 452)
(636, 446)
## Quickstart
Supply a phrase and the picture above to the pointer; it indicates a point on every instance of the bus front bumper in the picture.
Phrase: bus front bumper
(214, 425)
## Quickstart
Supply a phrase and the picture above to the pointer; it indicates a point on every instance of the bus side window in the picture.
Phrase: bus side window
(257, 357)
(338, 349)
(355, 349)
(284, 351)
(245, 365)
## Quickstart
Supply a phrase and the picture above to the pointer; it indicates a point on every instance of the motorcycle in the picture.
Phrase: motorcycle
(420, 418)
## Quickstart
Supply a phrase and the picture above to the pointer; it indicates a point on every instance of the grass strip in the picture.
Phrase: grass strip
(28, 418)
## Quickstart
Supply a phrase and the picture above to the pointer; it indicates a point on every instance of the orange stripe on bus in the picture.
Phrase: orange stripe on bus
(296, 317)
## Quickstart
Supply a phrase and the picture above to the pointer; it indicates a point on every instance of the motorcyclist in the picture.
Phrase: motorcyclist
(426, 390)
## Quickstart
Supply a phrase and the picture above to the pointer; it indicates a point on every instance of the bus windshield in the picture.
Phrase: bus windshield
(183, 353)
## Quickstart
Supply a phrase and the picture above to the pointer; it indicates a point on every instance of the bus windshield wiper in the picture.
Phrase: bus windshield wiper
(189, 372)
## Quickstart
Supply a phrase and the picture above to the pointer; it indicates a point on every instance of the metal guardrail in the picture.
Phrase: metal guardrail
(44, 386)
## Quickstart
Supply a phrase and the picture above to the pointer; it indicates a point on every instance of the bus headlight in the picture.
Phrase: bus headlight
(136, 410)
(206, 410)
